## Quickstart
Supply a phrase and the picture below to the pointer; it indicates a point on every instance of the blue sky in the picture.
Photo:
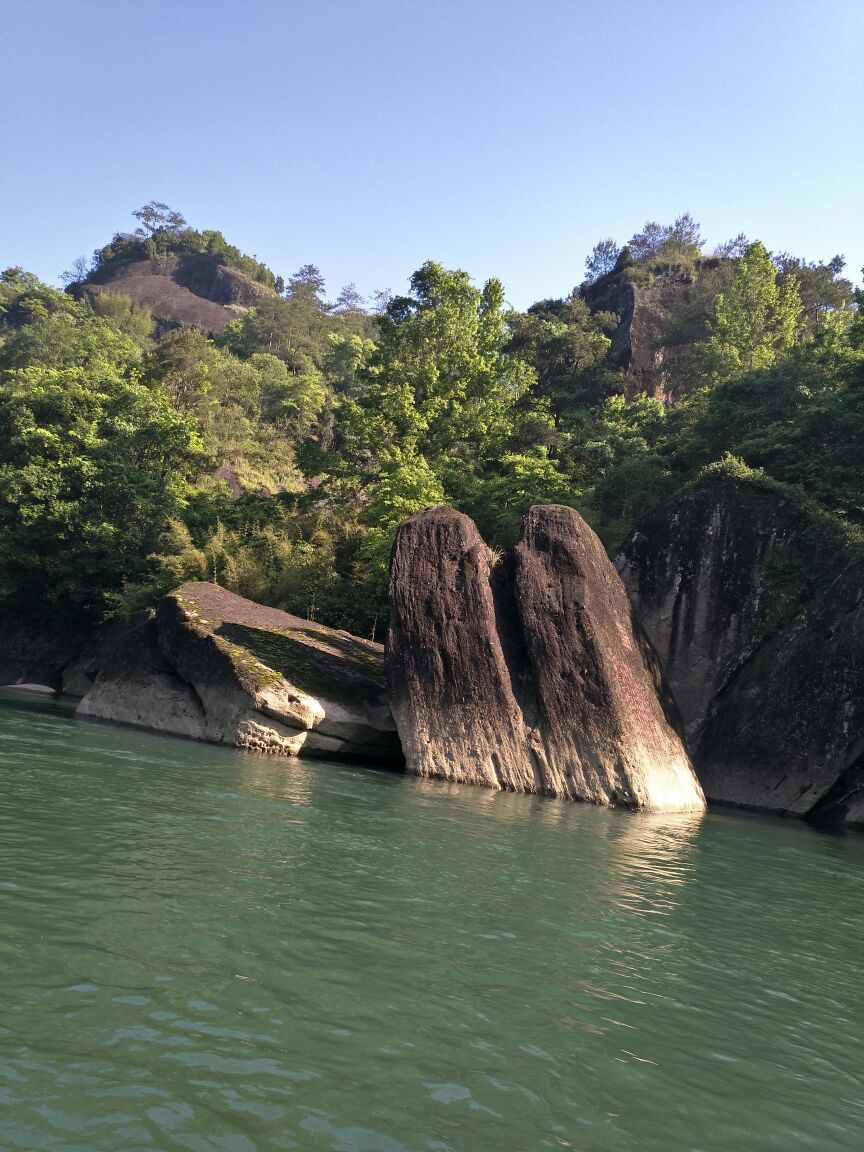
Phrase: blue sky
(501, 137)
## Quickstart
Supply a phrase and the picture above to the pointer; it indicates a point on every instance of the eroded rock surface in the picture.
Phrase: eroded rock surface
(213, 666)
(527, 676)
(450, 686)
(755, 611)
(704, 571)
(599, 714)
(787, 734)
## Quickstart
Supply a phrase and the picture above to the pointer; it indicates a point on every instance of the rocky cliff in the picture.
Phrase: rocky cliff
(188, 289)
(661, 314)
(787, 734)
(212, 666)
(699, 569)
(528, 675)
(754, 608)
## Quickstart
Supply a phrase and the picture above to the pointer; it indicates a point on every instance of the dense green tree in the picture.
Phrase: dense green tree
(92, 464)
(821, 286)
(184, 363)
(296, 327)
(440, 380)
(52, 331)
(670, 242)
(756, 319)
(135, 320)
(292, 402)
(566, 344)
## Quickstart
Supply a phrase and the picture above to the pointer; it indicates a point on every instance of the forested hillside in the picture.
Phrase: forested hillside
(276, 451)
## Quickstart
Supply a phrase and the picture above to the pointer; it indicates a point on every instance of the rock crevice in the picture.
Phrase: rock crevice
(527, 676)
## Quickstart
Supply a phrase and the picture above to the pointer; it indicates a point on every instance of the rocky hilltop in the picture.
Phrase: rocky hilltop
(660, 319)
(756, 612)
(209, 665)
(191, 288)
(527, 675)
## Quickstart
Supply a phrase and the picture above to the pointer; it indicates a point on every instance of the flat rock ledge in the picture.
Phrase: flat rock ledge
(528, 674)
(210, 665)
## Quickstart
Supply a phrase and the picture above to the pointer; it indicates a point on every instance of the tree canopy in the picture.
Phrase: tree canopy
(279, 458)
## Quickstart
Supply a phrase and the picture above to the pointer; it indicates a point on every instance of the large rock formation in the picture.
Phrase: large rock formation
(527, 675)
(642, 344)
(450, 685)
(787, 734)
(755, 612)
(698, 568)
(662, 315)
(190, 288)
(212, 666)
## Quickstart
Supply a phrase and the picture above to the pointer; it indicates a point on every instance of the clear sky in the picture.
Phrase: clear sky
(498, 136)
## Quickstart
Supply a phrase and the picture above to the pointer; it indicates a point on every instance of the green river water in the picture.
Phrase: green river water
(209, 950)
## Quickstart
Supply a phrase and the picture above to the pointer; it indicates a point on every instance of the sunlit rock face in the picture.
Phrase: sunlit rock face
(597, 687)
(449, 683)
(213, 666)
(527, 675)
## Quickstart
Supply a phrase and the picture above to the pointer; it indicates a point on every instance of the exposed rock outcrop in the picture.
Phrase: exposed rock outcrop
(527, 676)
(212, 666)
(662, 314)
(450, 687)
(755, 612)
(787, 735)
(698, 570)
(191, 288)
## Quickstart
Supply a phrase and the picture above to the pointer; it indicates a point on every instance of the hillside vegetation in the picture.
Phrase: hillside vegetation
(276, 451)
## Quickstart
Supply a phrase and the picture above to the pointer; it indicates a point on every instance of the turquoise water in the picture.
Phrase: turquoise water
(208, 950)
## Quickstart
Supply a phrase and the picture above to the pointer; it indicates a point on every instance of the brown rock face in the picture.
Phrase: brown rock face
(660, 318)
(529, 676)
(450, 687)
(187, 289)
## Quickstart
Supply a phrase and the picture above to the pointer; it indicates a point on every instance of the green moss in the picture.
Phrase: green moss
(317, 662)
(251, 672)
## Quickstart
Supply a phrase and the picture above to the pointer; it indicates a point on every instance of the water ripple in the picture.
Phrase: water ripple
(219, 952)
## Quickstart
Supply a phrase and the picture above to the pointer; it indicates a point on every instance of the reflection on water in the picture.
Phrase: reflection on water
(209, 950)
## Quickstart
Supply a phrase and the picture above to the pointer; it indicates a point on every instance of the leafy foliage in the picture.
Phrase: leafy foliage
(279, 459)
